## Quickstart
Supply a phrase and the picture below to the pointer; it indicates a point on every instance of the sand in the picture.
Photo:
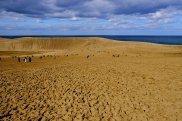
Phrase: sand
(90, 79)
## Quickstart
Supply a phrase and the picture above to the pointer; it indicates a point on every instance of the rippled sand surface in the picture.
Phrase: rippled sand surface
(135, 86)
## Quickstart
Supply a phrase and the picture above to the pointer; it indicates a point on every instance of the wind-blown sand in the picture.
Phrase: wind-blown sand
(90, 79)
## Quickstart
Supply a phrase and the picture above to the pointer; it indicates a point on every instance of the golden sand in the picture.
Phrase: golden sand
(90, 79)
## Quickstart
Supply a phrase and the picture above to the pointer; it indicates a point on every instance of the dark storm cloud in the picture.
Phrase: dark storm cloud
(85, 8)
(31, 7)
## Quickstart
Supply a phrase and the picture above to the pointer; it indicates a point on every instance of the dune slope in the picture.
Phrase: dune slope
(93, 79)
(33, 44)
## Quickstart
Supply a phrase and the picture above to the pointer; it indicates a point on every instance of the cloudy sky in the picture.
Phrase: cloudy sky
(90, 17)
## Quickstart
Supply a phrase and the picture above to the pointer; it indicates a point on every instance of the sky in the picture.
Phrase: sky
(90, 17)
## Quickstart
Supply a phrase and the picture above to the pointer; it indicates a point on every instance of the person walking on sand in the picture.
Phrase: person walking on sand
(30, 59)
(25, 59)
(19, 59)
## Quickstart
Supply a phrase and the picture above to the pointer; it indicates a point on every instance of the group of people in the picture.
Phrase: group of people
(25, 59)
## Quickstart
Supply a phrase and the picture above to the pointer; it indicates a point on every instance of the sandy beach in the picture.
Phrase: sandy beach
(90, 79)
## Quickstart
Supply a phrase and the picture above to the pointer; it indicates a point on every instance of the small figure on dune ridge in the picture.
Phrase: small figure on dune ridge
(116, 55)
(88, 56)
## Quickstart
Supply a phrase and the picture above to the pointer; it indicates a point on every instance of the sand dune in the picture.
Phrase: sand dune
(34, 44)
(84, 45)
(91, 79)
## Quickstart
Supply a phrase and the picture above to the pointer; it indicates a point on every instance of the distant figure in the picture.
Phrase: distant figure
(0, 59)
(25, 59)
(19, 59)
(88, 56)
(30, 59)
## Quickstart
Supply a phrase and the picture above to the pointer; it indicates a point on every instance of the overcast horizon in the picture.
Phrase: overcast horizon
(90, 17)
